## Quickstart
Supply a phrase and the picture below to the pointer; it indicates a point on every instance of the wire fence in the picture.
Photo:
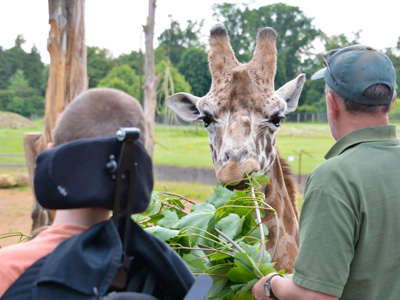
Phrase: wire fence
(19, 162)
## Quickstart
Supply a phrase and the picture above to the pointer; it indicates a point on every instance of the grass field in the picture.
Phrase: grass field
(188, 146)
(11, 142)
(191, 191)
(185, 146)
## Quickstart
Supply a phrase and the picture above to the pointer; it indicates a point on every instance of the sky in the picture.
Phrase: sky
(117, 24)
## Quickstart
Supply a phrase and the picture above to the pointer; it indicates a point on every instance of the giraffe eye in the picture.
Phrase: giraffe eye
(277, 118)
(206, 118)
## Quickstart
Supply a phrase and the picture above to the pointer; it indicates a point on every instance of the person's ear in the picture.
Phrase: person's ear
(333, 105)
(394, 99)
(50, 146)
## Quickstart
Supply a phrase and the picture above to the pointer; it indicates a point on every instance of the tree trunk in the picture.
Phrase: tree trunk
(67, 79)
(151, 81)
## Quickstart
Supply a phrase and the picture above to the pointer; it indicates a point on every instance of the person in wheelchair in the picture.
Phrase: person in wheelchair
(85, 175)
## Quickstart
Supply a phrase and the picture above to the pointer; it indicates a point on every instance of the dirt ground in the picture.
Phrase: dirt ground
(15, 213)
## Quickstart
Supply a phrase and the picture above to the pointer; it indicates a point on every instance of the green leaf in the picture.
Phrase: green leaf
(220, 269)
(249, 285)
(195, 264)
(155, 218)
(230, 289)
(243, 260)
(220, 196)
(217, 287)
(231, 225)
(161, 232)
(218, 256)
(222, 213)
(241, 291)
(202, 217)
(204, 206)
(177, 202)
(241, 198)
(261, 178)
(256, 232)
(244, 269)
(254, 251)
(249, 224)
(201, 255)
(267, 268)
(240, 274)
(154, 206)
(170, 218)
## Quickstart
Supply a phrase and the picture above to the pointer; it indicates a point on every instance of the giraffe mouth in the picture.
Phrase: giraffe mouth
(242, 185)
(234, 173)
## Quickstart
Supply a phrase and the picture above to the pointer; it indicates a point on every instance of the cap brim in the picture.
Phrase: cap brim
(319, 74)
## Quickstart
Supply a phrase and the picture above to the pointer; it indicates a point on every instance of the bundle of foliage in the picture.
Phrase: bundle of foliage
(220, 237)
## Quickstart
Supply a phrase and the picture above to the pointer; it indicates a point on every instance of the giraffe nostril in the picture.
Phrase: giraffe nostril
(227, 155)
(236, 157)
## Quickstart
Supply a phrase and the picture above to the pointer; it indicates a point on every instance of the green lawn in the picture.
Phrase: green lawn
(185, 146)
(311, 140)
(174, 146)
(193, 191)
(11, 142)
(188, 146)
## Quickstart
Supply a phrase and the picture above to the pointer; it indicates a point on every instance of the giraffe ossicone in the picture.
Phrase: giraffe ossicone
(242, 113)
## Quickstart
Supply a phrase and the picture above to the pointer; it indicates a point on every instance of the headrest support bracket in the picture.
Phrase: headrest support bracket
(126, 169)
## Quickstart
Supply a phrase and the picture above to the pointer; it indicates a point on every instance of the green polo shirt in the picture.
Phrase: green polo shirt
(350, 220)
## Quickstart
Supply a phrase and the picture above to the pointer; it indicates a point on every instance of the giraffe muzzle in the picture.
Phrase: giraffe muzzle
(233, 172)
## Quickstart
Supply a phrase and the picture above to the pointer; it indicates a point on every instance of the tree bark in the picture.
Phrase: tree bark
(67, 79)
(151, 80)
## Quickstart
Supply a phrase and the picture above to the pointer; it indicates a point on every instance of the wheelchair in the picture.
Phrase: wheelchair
(115, 259)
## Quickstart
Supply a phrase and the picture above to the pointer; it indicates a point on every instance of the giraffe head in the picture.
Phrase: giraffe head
(242, 111)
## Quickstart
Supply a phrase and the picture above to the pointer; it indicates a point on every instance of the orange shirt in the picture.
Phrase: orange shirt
(16, 259)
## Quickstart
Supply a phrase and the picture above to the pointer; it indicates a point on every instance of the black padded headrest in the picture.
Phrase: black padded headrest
(74, 175)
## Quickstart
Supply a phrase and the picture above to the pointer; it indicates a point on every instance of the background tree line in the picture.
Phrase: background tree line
(181, 58)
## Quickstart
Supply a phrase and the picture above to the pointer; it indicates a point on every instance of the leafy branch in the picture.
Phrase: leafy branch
(223, 237)
(22, 236)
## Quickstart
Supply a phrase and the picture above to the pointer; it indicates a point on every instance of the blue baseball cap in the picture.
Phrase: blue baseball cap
(351, 70)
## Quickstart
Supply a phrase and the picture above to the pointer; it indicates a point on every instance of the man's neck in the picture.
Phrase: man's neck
(81, 216)
(354, 122)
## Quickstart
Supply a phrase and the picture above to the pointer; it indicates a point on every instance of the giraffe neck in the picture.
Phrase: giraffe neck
(280, 194)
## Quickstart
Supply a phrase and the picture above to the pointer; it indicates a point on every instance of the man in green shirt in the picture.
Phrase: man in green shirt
(349, 224)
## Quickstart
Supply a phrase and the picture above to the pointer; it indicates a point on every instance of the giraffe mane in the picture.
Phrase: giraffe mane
(290, 183)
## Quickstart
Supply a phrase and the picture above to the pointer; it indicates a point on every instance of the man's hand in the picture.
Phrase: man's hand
(285, 289)
(258, 291)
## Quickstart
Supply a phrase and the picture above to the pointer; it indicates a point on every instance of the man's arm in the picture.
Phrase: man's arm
(286, 289)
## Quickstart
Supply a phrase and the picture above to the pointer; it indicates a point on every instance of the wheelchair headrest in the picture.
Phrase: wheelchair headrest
(81, 174)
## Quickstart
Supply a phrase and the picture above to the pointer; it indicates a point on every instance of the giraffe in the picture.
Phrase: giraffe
(242, 113)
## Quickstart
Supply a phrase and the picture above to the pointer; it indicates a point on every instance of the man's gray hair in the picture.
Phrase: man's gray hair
(377, 91)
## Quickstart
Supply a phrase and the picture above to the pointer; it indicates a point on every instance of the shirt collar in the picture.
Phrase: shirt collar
(368, 134)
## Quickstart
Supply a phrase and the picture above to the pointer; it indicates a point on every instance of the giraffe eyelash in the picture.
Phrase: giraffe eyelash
(277, 118)
(206, 118)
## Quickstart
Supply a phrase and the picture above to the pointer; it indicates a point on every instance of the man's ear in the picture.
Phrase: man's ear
(333, 106)
(394, 99)
(50, 145)
(185, 106)
(290, 92)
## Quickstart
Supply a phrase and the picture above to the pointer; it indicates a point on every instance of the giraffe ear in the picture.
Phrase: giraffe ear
(185, 106)
(290, 92)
